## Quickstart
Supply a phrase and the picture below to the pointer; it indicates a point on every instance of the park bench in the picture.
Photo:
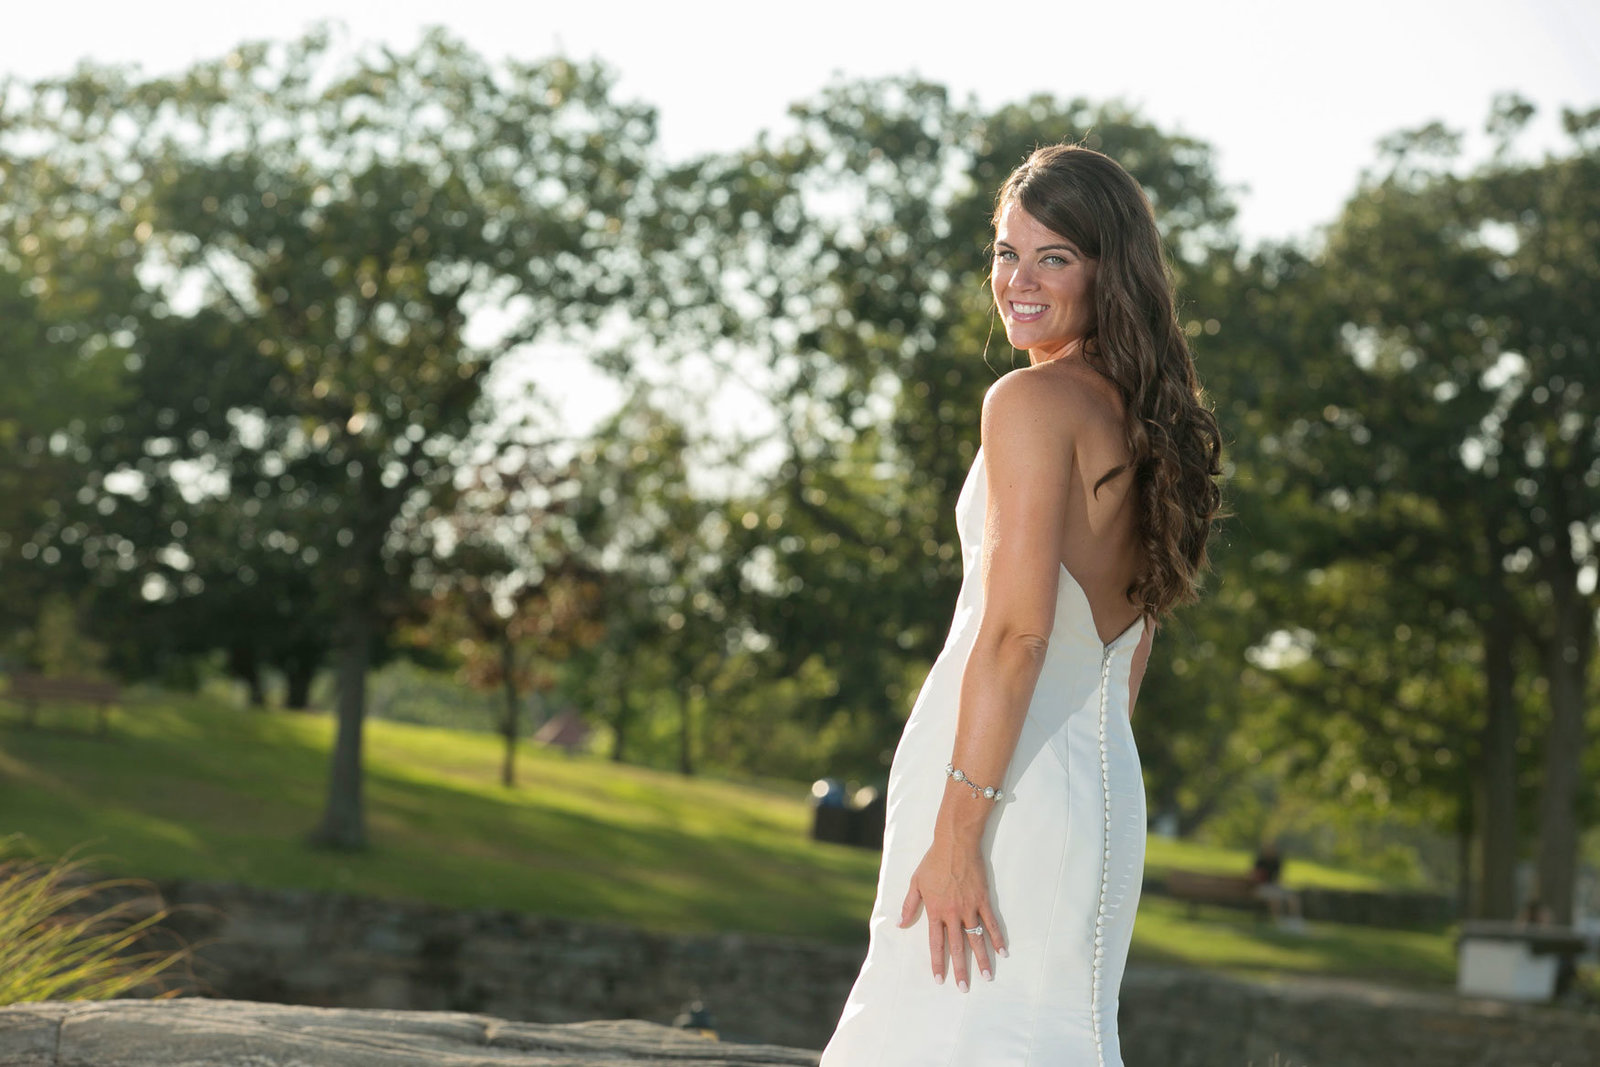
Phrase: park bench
(1201, 887)
(30, 690)
(1518, 960)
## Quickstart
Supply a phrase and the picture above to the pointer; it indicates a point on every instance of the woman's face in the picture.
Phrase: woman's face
(1043, 286)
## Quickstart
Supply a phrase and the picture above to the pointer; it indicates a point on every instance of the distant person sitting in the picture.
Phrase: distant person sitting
(1283, 904)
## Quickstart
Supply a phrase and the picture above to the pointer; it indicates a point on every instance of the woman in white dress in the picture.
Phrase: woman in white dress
(1016, 815)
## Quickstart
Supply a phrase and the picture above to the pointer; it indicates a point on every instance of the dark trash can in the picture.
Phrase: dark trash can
(835, 820)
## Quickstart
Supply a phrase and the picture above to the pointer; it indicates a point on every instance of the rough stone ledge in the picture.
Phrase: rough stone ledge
(193, 1032)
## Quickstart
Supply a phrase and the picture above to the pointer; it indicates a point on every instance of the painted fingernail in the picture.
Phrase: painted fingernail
(988, 975)
(939, 978)
(961, 984)
(1003, 952)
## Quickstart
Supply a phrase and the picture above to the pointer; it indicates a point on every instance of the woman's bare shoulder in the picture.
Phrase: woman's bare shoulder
(1049, 404)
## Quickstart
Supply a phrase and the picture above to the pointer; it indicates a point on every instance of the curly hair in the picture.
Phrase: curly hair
(1136, 342)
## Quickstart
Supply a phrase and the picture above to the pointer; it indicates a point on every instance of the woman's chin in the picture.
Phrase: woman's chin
(1026, 340)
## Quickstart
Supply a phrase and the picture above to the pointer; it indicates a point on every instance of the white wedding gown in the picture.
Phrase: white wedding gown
(1064, 851)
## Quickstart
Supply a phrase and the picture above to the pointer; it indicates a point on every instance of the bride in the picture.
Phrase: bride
(1016, 819)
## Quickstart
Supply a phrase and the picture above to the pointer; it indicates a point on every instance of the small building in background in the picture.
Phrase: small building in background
(565, 730)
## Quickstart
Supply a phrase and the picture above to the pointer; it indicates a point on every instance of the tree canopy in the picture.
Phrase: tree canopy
(255, 310)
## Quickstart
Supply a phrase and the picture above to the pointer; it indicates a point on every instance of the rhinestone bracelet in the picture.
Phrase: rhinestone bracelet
(988, 792)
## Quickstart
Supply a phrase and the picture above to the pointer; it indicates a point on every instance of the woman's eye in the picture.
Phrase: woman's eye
(1004, 254)
(1055, 260)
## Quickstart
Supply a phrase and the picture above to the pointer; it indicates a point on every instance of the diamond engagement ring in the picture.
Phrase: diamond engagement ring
(974, 929)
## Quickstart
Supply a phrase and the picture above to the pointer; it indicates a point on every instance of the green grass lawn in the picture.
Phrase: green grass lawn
(1162, 853)
(187, 788)
(1237, 942)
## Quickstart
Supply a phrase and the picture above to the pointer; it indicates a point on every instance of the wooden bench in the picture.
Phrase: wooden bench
(1228, 890)
(30, 690)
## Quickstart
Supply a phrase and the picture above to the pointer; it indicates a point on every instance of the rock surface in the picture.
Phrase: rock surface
(232, 1033)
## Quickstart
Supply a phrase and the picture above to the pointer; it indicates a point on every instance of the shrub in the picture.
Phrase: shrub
(67, 936)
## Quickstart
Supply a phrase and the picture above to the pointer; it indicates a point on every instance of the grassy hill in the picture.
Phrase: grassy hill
(186, 787)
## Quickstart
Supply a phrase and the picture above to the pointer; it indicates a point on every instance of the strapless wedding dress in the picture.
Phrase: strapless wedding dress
(1064, 851)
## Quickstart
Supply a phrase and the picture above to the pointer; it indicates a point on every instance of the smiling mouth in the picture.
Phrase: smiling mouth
(1027, 311)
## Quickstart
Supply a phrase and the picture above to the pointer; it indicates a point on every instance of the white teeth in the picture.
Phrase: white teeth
(1027, 309)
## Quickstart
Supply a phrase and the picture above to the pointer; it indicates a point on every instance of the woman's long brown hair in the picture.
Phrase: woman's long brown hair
(1172, 435)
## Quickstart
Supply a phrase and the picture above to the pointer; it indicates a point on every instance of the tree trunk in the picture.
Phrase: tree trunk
(685, 734)
(1465, 833)
(1566, 662)
(1498, 782)
(1567, 647)
(343, 821)
(298, 674)
(508, 722)
(621, 719)
(245, 665)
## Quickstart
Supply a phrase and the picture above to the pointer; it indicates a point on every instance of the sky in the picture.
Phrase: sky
(1292, 96)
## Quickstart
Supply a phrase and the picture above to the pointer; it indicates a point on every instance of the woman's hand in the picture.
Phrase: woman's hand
(953, 886)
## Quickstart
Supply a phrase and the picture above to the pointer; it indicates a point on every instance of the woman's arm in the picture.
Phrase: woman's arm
(1028, 448)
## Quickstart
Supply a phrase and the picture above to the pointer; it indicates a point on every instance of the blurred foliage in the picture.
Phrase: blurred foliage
(516, 599)
(850, 259)
(1461, 452)
(57, 645)
(259, 303)
(311, 235)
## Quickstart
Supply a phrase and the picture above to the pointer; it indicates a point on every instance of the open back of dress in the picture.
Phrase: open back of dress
(1065, 855)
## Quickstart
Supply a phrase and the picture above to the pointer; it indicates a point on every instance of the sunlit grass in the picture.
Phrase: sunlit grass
(1237, 941)
(185, 788)
(1164, 852)
(189, 788)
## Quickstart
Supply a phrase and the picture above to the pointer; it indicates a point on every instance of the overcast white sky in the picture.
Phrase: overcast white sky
(1292, 95)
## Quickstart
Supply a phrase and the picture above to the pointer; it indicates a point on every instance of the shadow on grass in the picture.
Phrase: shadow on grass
(185, 790)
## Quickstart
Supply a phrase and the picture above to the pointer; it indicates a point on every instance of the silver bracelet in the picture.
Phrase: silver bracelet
(988, 792)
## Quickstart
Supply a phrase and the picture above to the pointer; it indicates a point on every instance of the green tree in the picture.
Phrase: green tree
(842, 271)
(217, 537)
(62, 351)
(661, 554)
(1468, 315)
(514, 598)
(350, 219)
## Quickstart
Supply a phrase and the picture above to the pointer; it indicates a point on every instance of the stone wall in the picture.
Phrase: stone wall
(340, 951)
(336, 950)
(1172, 1018)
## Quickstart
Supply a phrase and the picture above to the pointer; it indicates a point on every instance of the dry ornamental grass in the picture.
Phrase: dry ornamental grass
(67, 936)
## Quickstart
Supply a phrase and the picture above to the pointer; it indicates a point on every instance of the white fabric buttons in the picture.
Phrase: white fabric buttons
(1095, 1007)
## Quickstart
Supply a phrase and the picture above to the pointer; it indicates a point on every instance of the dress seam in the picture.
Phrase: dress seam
(1097, 963)
(962, 1018)
(1044, 949)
